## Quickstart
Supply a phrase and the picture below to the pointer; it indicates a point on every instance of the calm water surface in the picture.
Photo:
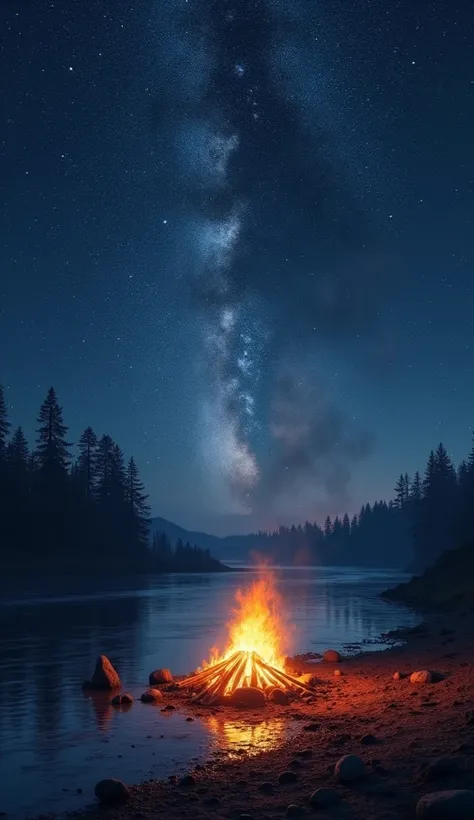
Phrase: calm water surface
(55, 740)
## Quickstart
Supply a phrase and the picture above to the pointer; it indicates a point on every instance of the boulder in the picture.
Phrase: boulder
(443, 767)
(105, 676)
(119, 700)
(400, 675)
(448, 805)
(322, 798)
(278, 696)
(111, 792)
(247, 698)
(331, 656)
(425, 676)
(349, 768)
(287, 777)
(151, 696)
(160, 676)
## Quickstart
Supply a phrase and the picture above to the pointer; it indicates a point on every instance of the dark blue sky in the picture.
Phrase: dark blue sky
(239, 237)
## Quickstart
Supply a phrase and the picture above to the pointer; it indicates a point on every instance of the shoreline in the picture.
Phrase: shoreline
(395, 727)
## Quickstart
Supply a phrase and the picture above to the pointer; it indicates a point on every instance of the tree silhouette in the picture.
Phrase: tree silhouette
(4, 424)
(52, 449)
(87, 461)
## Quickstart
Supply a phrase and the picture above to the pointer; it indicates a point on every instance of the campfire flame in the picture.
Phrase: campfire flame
(253, 657)
(257, 624)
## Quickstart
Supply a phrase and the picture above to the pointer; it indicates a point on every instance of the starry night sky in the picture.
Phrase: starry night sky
(239, 237)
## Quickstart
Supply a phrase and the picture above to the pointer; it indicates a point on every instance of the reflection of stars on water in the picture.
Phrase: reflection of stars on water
(239, 69)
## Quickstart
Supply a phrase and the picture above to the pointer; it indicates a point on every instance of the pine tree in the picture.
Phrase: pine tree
(18, 457)
(138, 508)
(52, 447)
(327, 527)
(87, 461)
(103, 466)
(4, 424)
(416, 488)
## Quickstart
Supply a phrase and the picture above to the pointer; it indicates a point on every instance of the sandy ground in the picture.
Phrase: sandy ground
(411, 725)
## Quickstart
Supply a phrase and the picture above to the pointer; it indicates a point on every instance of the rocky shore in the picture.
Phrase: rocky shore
(376, 741)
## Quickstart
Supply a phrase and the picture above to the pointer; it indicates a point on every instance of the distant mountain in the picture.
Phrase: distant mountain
(230, 548)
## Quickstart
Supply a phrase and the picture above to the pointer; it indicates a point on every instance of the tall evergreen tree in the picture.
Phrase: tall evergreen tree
(87, 461)
(4, 424)
(17, 456)
(138, 508)
(52, 447)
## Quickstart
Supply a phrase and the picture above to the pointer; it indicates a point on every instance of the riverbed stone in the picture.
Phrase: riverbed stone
(323, 798)
(293, 811)
(111, 792)
(160, 676)
(248, 698)
(400, 675)
(285, 778)
(456, 804)
(443, 767)
(426, 676)
(349, 769)
(331, 656)
(151, 696)
(278, 696)
(105, 676)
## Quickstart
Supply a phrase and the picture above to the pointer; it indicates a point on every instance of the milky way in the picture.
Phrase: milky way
(259, 170)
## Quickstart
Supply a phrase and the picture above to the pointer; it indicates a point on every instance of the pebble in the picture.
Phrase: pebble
(151, 695)
(425, 676)
(337, 673)
(295, 811)
(399, 675)
(349, 768)
(287, 777)
(322, 798)
(111, 792)
(160, 676)
(266, 788)
(368, 740)
(448, 805)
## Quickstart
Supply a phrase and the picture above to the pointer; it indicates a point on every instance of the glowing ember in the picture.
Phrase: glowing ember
(253, 657)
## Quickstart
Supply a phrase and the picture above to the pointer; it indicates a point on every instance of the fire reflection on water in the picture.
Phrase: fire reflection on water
(236, 737)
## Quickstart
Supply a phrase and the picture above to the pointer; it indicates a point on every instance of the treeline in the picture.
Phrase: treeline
(61, 511)
(427, 515)
(181, 557)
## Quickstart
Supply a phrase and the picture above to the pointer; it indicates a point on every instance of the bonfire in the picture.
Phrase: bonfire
(253, 663)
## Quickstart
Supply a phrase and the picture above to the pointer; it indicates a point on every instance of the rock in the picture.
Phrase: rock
(312, 727)
(349, 768)
(105, 676)
(266, 788)
(443, 767)
(306, 753)
(295, 811)
(426, 676)
(247, 698)
(322, 798)
(287, 777)
(448, 805)
(169, 707)
(400, 675)
(151, 696)
(331, 656)
(118, 700)
(160, 676)
(278, 696)
(111, 792)
(368, 740)
(337, 673)
(187, 780)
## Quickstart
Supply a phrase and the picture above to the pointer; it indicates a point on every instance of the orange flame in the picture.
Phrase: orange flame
(257, 625)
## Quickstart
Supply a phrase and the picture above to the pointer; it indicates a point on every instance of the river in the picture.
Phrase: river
(56, 742)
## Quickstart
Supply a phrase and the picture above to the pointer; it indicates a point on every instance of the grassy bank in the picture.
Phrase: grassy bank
(447, 585)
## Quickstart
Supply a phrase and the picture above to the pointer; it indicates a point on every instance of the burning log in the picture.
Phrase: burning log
(242, 670)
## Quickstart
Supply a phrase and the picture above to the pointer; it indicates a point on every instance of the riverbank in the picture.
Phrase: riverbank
(395, 727)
